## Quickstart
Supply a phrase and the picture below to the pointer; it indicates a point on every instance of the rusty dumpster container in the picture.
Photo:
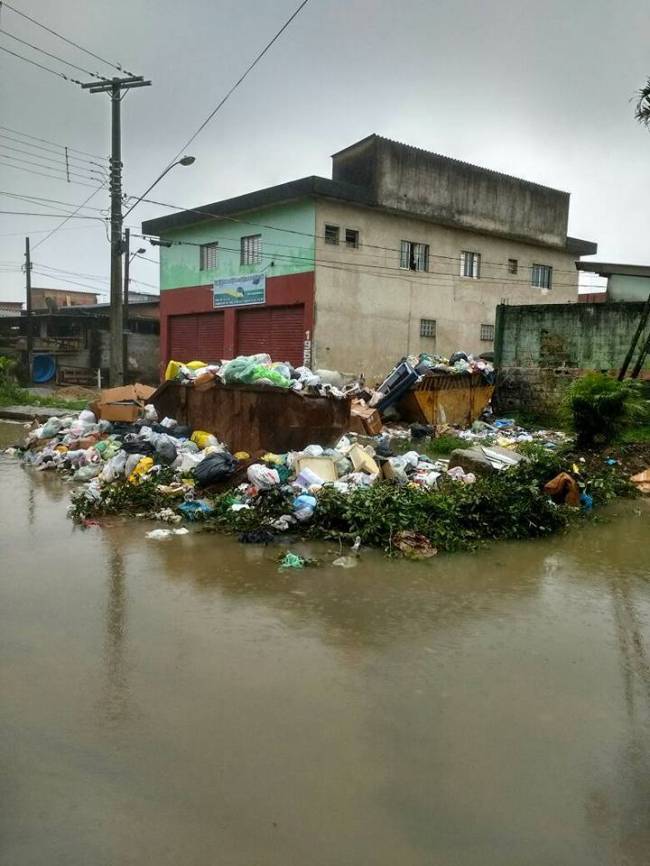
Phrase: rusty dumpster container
(443, 398)
(255, 417)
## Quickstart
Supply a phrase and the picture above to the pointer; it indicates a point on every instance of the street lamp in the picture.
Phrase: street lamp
(119, 342)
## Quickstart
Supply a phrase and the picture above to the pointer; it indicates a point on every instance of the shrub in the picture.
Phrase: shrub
(601, 408)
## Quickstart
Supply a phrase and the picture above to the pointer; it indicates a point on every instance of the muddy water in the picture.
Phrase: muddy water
(182, 702)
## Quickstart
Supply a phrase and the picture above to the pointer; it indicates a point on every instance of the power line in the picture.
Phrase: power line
(47, 141)
(40, 173)
(41, 66)
(40, 198)
(48, 54)
(47, 167)
(35, 213)
(93, 289)
(50, 164)
(117, 66)
(57, 228)
(61, 154)
(241, 79)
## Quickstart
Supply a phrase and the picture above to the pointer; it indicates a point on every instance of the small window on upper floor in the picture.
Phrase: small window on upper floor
(428, 328)
(414, 256)
(513, 266)
(251, 250)
(331, 234)
(487, 333)
(208, 256)
(542, 277)
(470, 265)
(352, 238)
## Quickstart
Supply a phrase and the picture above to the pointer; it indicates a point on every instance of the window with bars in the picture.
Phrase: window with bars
(542, 276)
(352, 238)
(414, 256)
(427, 328)
(513, 266)
(208, 256)
(251, 250)
(487, 333)
(331, 234)
(470, 265)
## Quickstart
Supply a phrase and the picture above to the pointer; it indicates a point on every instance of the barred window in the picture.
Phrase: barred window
(352, 238)
(251, 250)
(331, 234)
(414, 256)
(487, 333)
(470, 265)
(513, 266)
(208, 256)
(427, 327)
(542, 276)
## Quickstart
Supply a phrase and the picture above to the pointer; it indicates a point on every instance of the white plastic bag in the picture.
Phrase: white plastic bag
(262, 477)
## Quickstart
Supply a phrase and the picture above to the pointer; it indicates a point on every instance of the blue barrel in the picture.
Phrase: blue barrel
(43, 368)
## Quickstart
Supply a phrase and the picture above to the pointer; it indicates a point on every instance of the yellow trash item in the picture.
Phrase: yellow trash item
(203, 439)
(172, 370)
(141, 468)
(196, 365)
(274, 459)
(241, 455)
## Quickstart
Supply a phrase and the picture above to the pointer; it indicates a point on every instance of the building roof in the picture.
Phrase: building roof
(440, 156)
(606, 269)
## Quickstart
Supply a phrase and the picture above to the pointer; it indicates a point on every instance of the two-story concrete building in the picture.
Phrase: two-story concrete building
(402, 251)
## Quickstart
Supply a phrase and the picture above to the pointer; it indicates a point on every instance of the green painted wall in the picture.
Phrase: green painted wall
(588, 336)
(290, 253)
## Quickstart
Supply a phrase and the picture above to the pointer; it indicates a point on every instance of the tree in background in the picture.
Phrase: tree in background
(642, 112)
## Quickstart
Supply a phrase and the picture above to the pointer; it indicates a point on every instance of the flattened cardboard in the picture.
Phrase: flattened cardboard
(324, 467)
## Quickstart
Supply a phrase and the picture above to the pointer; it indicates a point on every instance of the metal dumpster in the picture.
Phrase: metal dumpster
(254, 417)
(443, 398)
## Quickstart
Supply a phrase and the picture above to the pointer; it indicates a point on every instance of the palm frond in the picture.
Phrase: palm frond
(642, 111)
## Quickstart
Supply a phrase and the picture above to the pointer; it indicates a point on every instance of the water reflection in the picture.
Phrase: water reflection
(116, 692)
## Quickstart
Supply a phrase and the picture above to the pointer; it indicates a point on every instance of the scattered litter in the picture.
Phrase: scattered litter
(159, 534)
(413, 545)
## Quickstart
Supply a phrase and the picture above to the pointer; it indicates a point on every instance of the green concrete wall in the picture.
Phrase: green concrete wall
(587, 336)
(290, 253)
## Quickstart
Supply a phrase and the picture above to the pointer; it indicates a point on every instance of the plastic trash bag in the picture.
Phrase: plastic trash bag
(262, 477)
(50, 429)
(160, 534)
(241, 368)
(143, 466)
(214, 468)
(150, 415)
(304, 507)
(195, 509)
(187, 461)
(165, 449)
(86, 417)
(85, 473)
(203, 439)
(292, 560)
(114, 468)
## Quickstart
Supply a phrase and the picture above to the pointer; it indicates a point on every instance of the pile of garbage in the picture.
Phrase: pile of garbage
(261, 370)
(459, 362)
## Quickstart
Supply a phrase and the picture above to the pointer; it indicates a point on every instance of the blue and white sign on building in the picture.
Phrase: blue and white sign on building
(239, 291)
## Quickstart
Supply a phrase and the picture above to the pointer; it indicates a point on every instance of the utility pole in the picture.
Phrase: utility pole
(28, 308)
(125, 307)
(115, 86)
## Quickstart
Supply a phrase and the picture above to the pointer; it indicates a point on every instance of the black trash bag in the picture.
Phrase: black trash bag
(214, 468)
(457, 356)
(136, 445)
(421, 431)
(165, 451)
(257, 536)
(383, 448)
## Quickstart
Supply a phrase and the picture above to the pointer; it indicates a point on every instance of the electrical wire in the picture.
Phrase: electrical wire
(40, 173)
(62, 154)
(239, 81)
(93, 289)
(47, 141)
(38, 198)
(117, 66)
(41, 66)
(56, 229)
(315, 236)
(52, 165)
(53, 56)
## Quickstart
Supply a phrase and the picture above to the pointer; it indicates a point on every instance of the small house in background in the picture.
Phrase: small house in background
(624, 282)
(10, 308)
(54, 299)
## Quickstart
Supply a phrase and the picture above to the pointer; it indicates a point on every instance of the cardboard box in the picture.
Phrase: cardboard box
(362, 461)
(324, 467)
(122, 404)
(364, 419)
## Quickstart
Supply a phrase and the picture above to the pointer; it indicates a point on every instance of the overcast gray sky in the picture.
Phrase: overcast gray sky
(536, 89)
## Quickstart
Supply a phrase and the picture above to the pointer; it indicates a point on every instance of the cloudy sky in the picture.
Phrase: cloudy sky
(538, 90)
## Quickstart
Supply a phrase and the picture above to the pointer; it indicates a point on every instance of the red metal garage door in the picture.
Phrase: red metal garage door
(196, 337)
(278, 331)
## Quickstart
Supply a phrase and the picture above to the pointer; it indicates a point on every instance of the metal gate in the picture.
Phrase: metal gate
(278, 331)
(198, 336)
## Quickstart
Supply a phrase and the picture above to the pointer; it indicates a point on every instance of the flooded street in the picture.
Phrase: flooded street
(182, 702)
